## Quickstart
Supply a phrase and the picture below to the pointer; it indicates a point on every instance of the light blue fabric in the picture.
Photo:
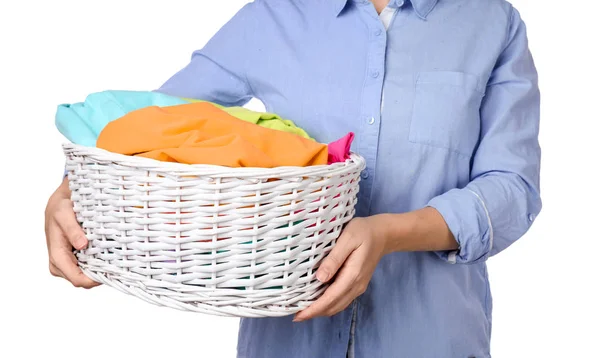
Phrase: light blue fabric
(82, 122)
(445, 108)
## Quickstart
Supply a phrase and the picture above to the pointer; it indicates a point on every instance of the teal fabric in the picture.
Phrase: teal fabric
(81, 123)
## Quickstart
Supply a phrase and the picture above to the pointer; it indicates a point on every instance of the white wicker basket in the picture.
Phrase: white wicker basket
(241, 242)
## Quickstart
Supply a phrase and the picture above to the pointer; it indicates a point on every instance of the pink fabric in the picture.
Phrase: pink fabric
(339, 150)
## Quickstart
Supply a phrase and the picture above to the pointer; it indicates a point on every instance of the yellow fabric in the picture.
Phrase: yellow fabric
(263, 119)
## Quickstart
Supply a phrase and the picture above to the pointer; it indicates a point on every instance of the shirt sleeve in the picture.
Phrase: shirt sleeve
(217, 72)
(502, 200)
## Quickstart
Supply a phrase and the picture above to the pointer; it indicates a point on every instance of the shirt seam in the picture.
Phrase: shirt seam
(489, 221)
(252, 93)
(508, 27)
(506, 44)
(433, 145)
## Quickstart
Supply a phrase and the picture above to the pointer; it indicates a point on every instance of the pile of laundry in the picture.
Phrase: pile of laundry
(173, 129)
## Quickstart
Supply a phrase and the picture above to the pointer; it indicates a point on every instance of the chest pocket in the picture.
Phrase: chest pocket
(446, 111)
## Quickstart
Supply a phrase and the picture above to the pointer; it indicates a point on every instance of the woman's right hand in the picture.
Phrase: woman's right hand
(63, 233)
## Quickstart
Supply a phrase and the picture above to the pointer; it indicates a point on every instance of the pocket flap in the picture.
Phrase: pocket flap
(451, 78)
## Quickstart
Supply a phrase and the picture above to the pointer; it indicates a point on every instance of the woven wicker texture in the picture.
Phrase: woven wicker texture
(241, 242)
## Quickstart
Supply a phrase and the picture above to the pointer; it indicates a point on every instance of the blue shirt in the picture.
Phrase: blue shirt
(445, 108)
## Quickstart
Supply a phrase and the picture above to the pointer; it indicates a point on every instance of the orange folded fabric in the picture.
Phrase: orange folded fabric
(200, 133)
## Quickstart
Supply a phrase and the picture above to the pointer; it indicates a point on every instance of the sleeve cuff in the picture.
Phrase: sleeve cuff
(467, 216)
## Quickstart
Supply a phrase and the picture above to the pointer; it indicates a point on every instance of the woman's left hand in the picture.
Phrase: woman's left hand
(354, 258)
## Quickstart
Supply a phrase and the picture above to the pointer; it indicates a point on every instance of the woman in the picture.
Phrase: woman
(443, 99)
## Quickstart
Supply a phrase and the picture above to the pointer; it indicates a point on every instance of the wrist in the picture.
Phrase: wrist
(420, 230)
(392, 230)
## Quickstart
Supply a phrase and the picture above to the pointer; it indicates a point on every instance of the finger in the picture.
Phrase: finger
(66, 220)
(67, 264)
(336, 258)
(65, 261)
(54, 271)
(338, 291)
(340, 305)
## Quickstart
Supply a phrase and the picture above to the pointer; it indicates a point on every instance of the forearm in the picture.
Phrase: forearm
(420, 230)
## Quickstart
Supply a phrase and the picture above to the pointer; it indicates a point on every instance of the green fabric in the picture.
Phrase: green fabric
(263, 119)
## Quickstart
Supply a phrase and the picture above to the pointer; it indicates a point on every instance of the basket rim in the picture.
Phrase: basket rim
(356, 162)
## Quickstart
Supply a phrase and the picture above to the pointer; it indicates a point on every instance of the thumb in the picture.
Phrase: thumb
(336, 258)
(66, 220)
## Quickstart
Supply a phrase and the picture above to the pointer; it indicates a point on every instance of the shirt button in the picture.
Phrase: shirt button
(378, 32)
(531, 217)
(371, 120)
(364, 174)
(374, 74)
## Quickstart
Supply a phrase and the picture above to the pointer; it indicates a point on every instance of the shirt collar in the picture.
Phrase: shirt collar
(422, 7)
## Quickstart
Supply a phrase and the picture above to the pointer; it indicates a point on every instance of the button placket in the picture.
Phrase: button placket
(369, 138)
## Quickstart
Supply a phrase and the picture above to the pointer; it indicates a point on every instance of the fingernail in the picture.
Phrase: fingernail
(80, 243)
(297, 319)
(322, 276)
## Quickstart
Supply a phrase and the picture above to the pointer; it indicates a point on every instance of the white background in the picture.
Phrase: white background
(545, 287)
